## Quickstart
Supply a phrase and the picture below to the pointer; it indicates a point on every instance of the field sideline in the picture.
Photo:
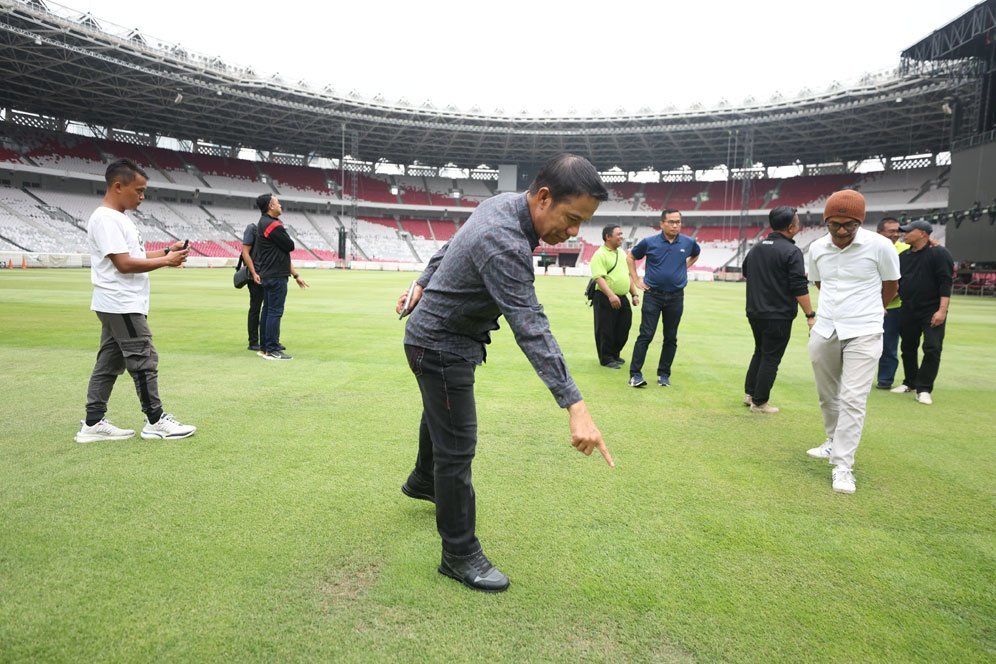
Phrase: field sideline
(278, 532)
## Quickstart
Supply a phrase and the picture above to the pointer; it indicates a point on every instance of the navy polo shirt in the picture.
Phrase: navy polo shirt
(666, 269)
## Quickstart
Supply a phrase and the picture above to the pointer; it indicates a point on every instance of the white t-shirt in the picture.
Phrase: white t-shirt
(111, 232)
(851, 283)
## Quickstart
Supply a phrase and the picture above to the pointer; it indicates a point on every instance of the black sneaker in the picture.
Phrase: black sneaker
(474, 571)
(278, 355)
(636, 380)
(664, 381)
(421, 493)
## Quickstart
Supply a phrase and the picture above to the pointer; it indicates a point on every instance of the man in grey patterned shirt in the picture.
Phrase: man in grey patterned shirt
(486, 271)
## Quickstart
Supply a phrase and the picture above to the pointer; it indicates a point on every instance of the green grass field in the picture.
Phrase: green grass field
(278, 532)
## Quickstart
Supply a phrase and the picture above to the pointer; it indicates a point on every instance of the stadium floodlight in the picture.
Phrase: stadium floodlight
(179, 97)
(37, 40)
(457, 194)
(976, 212)
(394, 190)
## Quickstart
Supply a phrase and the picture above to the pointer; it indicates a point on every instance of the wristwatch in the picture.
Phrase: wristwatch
(811, 315)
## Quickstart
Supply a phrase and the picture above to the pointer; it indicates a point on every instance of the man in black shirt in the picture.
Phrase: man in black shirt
(271, 256)
(776, 286)
(925, 288)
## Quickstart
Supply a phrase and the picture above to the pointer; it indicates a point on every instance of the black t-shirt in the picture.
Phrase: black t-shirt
(925, 277)
(271, 253)
(775, 276)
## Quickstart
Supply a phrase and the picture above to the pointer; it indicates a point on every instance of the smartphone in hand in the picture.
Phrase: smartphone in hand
(406, 309)
(186, 243)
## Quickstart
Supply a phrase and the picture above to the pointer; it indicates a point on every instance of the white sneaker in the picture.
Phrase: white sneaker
(763, 408)
(843, 480)
(924, 398)
(167, 428)
(821, 452)
(902, 389)
(102, 430)
(748, 400)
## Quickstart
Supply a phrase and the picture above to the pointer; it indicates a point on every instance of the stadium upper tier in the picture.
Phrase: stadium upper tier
(67, 66)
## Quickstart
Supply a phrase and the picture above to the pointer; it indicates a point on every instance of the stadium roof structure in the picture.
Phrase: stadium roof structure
(72, 67)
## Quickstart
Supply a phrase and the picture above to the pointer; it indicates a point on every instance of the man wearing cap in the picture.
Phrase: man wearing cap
(925, 288)
(888, 228)
(857, 273)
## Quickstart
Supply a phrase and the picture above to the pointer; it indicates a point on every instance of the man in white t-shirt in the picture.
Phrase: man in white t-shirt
(119, 268)
(857, 272)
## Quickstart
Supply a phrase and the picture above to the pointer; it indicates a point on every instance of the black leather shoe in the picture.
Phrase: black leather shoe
(474, 571)
(418, 494)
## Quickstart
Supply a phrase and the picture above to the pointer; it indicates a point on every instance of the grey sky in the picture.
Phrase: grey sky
(552, 56)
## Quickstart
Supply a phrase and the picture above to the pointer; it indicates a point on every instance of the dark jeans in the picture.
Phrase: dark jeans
(255, 304)
(274, 297)
(611, 326)
(668, 307)
(912, 326)
(889, 361)
(771, 337)
(447, 440)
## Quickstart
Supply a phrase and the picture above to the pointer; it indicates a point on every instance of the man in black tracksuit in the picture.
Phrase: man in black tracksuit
(776, 285)
(271, 256)
(925, 289)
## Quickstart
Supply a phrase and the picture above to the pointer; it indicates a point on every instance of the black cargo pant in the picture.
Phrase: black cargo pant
(255, 305)
(447, 440)
(611, 326)
(771, 337)
(125, 343)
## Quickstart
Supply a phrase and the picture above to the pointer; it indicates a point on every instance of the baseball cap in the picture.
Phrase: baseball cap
(920, 225)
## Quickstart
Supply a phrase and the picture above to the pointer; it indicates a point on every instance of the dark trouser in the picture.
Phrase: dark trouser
(125, 343)
(611, 326)
(447, 440)
(889, 361)
(668, 307)
(771, 337)
(255, 304)
(911, 327)
(274, 297)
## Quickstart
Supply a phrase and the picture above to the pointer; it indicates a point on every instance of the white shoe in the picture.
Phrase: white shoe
(902, 389)
(748, 400)
(102, 430)
(821, 452)
(924, 398)
(167, 428)
(763, 408)
(843, 480)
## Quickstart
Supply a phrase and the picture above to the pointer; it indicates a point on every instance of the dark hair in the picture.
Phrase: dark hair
(885, 220)
(263, 202)
(123, 171)
(668, 211)
(569, 175)
(608, 230)
(781, 217)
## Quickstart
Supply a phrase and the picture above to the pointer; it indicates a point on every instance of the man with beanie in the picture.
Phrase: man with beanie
(857, 273)
(776, 288)
(271, 256)
(925, 288)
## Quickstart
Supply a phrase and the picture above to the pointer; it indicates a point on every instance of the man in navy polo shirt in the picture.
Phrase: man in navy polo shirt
(669, 255)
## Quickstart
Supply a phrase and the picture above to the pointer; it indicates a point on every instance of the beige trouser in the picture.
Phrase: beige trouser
(844, 372)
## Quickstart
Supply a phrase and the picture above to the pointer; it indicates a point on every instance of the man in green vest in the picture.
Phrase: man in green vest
(888, 227)
(613, 314)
